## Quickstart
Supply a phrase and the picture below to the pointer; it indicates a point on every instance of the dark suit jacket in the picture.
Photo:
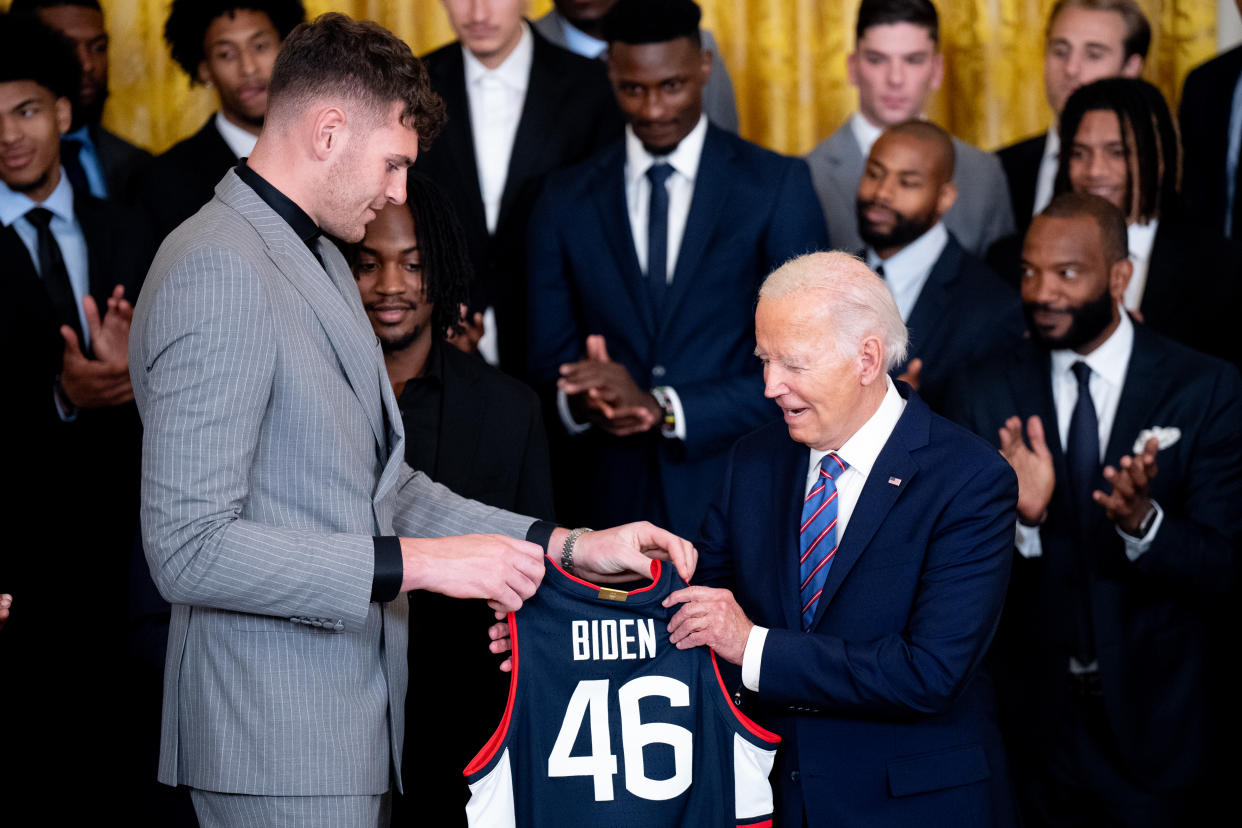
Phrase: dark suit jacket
(1194, 281)
(75, 517)
(1021, 164)
(1204, 114)
(180, 181)
(963, 313)
(751, 211)
(492, 448)
(1155, 619)
(885, 716)
(120, 160)
(569, 113)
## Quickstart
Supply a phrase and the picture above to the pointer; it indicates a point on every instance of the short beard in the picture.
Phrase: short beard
(1089, 321)
(396, 346)
(905, 230)
(31, 186)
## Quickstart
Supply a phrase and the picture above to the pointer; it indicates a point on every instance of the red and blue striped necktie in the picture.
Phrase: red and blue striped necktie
(818, 535)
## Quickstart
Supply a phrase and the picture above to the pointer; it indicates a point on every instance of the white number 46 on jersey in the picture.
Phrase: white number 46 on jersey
(590, 698)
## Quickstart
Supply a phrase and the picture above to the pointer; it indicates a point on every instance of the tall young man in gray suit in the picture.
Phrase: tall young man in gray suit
(274, 491)
(896, 65)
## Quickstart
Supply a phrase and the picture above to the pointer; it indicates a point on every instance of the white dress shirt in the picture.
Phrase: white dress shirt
(684, 160)
(239, 140)
(1141, 239)
(1108, 365)
(1046, 178)
(496, 100)
(865, 133)
(907, 270)
(859, 453)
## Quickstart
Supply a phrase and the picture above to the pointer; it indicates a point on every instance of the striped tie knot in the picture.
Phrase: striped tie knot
(818, 534)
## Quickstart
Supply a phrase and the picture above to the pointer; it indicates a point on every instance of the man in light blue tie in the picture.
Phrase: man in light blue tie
(853, 564)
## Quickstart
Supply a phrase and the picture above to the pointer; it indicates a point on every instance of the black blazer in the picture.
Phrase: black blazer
(1204, 114)
(569, 113)
(120, 160)
(1021, 163)
(1156, 620)
(964, 313)
(492, 448)
(180, 181)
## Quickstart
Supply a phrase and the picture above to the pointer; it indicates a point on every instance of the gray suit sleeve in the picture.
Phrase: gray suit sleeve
(203, 357)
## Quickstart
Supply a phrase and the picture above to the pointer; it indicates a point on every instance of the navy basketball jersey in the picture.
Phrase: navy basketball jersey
(608, 724)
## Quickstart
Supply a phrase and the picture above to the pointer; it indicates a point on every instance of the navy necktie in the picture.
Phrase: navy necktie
(1082, 455)
(818, 535)
(657, 232)
(54, 273)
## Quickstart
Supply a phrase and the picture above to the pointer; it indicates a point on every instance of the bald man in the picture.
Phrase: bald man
(854, 567)
(956, 308)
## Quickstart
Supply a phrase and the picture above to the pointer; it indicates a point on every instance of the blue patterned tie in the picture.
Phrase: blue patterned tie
(818, 535)
(657, 232)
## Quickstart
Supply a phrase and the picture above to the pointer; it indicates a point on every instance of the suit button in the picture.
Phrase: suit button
(657, 371)
(795, 777)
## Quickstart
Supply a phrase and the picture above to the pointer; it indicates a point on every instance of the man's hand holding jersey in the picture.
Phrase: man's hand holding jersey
(610, 556)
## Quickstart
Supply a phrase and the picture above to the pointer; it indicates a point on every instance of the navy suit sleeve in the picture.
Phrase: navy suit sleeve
(720, 410)
(1198, 543)
(952, 619)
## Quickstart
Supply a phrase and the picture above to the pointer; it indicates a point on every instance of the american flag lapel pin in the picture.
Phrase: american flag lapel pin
(894, 481)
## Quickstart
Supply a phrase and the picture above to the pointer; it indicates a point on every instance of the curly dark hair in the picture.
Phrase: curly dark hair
(1147, 130)
(188, 21)
(358, 61)
(31, 51)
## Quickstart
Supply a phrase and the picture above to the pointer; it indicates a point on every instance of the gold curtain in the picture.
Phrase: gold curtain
(787, 59)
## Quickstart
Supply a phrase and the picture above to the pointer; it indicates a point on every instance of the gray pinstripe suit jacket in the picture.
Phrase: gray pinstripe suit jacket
(272, 455)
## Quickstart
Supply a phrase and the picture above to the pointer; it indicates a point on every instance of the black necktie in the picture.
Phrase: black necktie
(1082, 455)
(657, 232)
(55, 274)
(879, 271)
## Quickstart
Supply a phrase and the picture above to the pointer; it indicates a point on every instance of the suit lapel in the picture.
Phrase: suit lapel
(1031, 379)
(544, 99)
(933, 304)
(458, 137)
(790, 471)
(614, 222)
(712, 183)
(1145, 387)
(98, 252)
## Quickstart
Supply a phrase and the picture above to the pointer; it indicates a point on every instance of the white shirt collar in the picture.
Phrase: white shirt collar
(14, 205)
(862, 449)
(684, 159)
(1141, 237)
(578, 41)
(513, 72)
(1109, 360)
(239, 140)
(1052, 144)
(865, 133)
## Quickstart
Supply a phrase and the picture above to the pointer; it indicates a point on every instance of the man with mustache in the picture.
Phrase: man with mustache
(644, 263)
(230, 46)
(956, 308)
(1127, 451)
(95, 159)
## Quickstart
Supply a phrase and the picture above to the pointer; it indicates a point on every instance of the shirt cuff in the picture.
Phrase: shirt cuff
(389, 569)
(540, 533)
(1135, 547)
(67, 411)
(1028, 542)
(679, 415)
(752, 657)
(562, 407)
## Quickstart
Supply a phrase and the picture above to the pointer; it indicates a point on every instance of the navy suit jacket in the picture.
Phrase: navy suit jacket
(885, 716)
(751, 211)
(1021, 164)
(964, 312)
(1155, 620)
(1206, 107)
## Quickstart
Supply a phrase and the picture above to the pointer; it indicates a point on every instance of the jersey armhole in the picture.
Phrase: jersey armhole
(493, 747)
(749, 729)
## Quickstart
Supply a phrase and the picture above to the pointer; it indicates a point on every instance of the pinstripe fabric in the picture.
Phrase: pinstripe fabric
(216, 810)
(271, 457)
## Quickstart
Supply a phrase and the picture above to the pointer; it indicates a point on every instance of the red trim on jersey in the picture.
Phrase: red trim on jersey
(766, 822)
(765, 735)
(494, 744)
(655, 577)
